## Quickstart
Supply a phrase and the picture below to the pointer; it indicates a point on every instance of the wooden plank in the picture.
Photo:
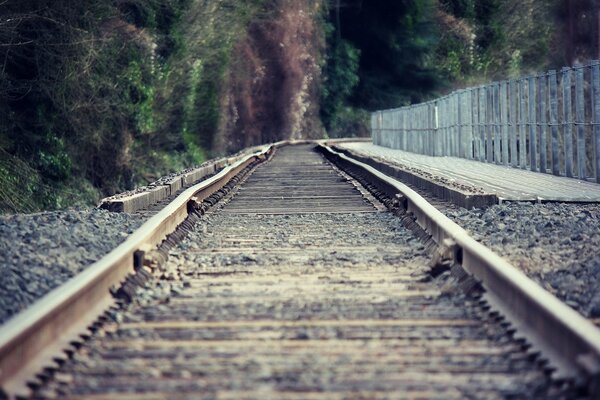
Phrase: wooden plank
(513, 122)
(482, 114)
(532, 124)
(475, 122)
(469, 123)
(489, 124)
(596, 119)
(543, 121)
(580, 121)
(459, 122)
(496, 122)
(554, 121)
(504, 121)
(567, 110)
(297, 323)
(522, 124)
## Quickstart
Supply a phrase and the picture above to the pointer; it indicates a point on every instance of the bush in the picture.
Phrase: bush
(350, 122)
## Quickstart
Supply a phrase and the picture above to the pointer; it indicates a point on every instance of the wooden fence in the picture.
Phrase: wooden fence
(548, 123)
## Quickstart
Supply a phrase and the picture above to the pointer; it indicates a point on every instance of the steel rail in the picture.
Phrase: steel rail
(37, 337)
(570, 342)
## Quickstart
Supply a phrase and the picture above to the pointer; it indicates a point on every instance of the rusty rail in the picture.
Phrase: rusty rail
(38, 336)
(569, 341)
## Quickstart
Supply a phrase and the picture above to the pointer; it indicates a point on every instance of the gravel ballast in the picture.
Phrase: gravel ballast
(556, 244)
(39, 252)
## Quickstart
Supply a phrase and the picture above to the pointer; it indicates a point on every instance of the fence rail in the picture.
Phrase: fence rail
(547, 123)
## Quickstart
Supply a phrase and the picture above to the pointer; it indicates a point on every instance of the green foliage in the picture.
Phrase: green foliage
(22, 188)
(105, 95)
(494, 39)
(141, 93)
(350, 122)
(340, 77)
(201, 67)
(396, 41)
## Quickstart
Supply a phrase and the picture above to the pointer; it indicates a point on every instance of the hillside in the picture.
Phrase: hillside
(98, 97)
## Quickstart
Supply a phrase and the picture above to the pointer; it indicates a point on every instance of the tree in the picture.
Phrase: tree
(396, 41)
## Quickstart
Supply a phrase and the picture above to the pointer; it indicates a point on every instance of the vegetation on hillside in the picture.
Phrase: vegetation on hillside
(406, 51)
(100, 96)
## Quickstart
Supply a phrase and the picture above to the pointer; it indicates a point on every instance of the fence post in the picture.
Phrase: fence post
(425, 129)
(482, 120)
(467, 118)
(379, 127)
(421, 131)
(554, 121)
(543, 122)
(496, 122)
(375, 127)
(402, 127)
(504, 121)
(447, 126)
(596, 119)
(398, 129)
(475, 122)
(417, 130)
(532, 125)
(490, 124)
(580, 121)
(440, 127)
(436, 134)
(513, 123)
(523, 120)
(384, 137)
(431, 124)
(567, 120)
(416, 138)
(459, 118)
(393, 129)
(411, 131)
(458, 128)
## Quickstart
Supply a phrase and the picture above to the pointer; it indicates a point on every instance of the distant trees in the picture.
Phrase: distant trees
(396, 40)
(380, 54)
(405, 51)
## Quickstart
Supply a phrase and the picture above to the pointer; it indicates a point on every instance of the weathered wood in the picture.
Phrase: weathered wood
(451, 113)
(513, 123)
(475, 122)
(405, 129)
(532, 125)
(433, 124)
(504, 121)
(522, 125)
(596, 119)
(496, 122)
(459, 121)
(510, 123)
(580, 121)
(469, 122)
(444, 121)
(567, 109)
(552, 84)
(489, 150)
(543, 121)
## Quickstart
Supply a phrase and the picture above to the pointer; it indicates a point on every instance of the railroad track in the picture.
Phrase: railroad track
(300, 283)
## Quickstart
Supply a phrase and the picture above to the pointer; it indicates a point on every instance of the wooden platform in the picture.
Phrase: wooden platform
(507, 183)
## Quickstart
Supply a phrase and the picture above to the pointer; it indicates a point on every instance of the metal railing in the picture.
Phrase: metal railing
(514, 123)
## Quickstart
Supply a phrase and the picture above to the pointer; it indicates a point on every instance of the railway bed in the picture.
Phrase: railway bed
(290, 279)
(301, 286)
